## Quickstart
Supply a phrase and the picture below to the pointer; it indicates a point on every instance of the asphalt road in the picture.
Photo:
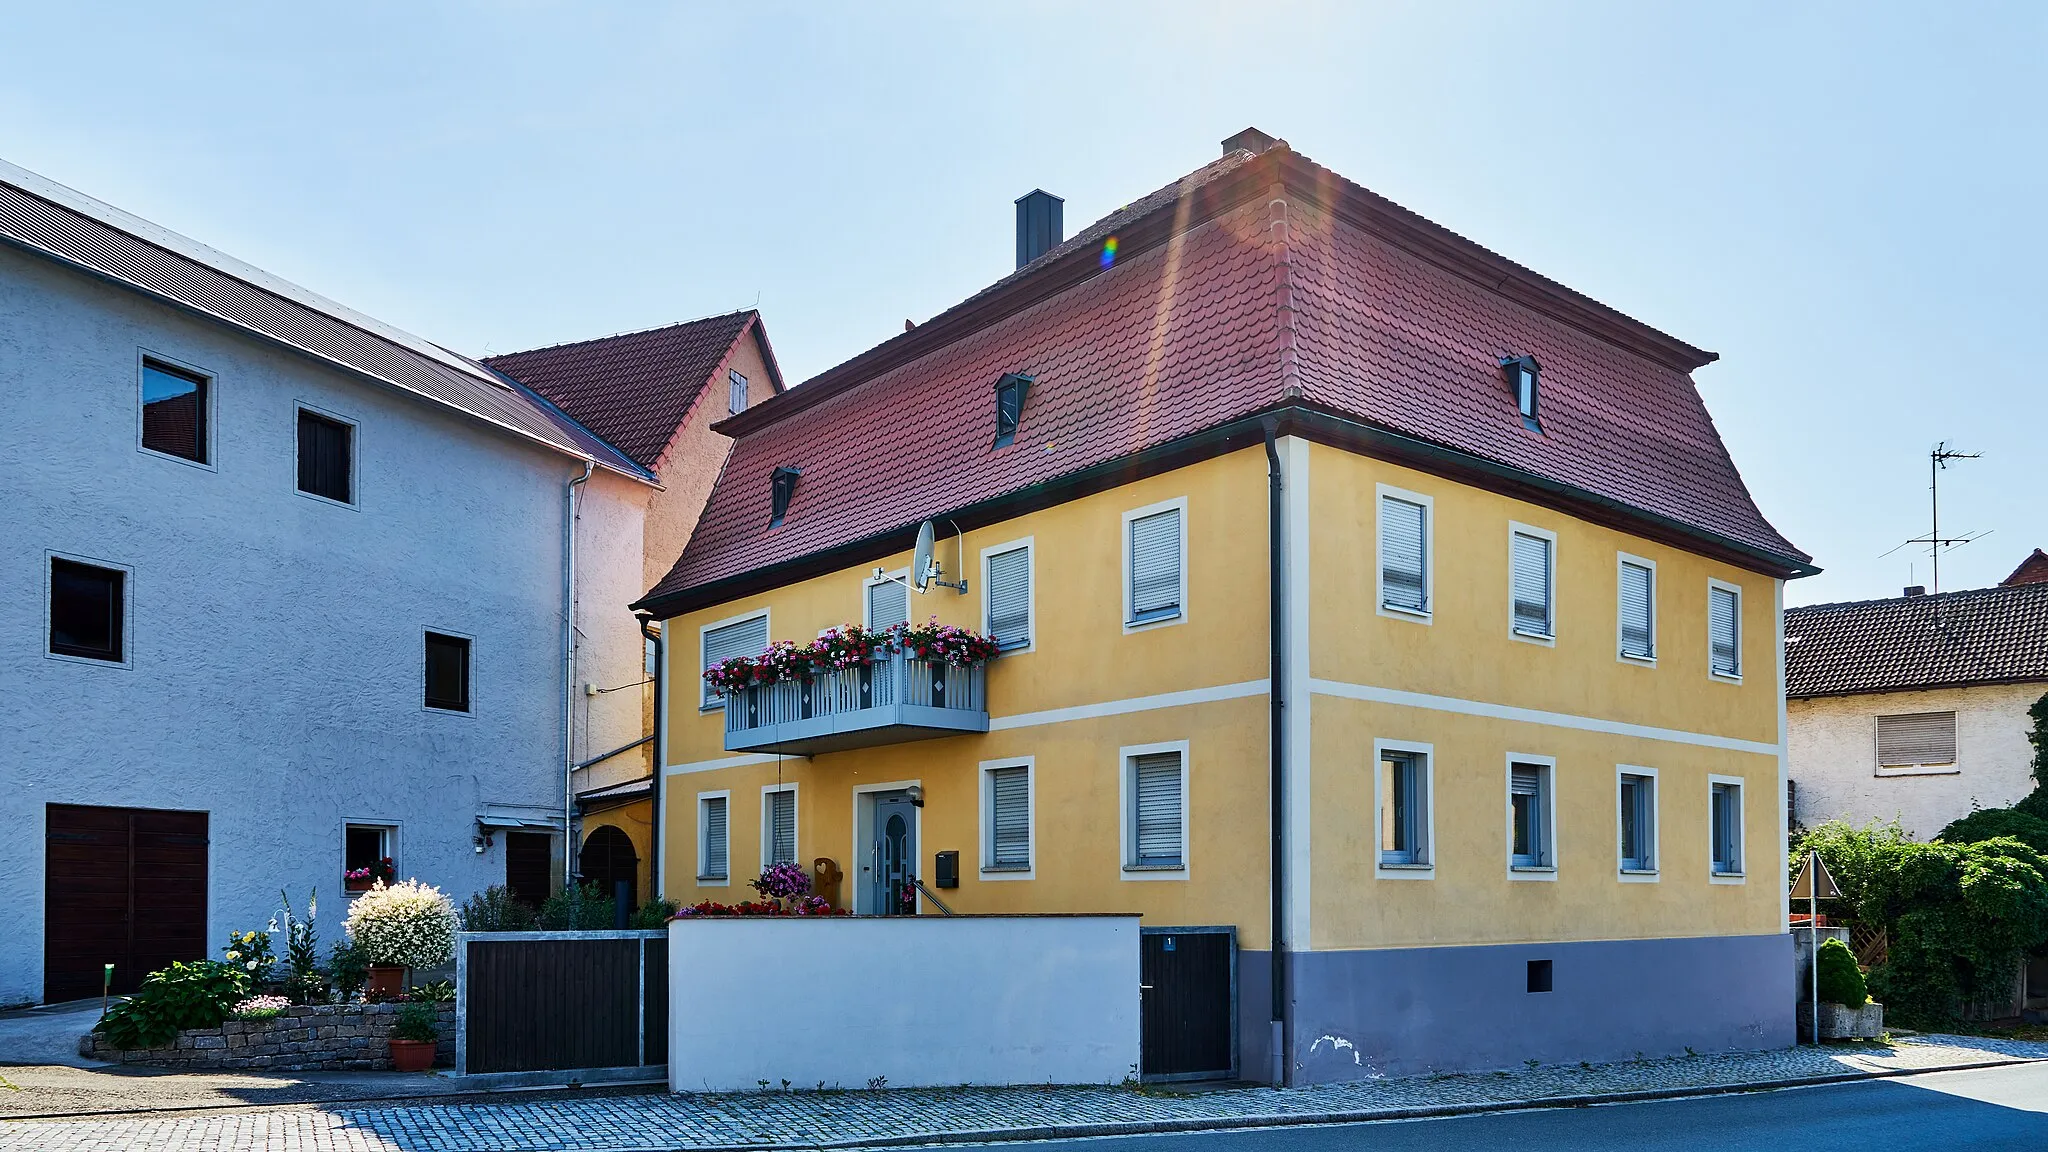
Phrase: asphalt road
(1990, 1108)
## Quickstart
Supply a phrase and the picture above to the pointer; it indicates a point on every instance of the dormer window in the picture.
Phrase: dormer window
(783, 484)
(1522, 372)
(1010, 391)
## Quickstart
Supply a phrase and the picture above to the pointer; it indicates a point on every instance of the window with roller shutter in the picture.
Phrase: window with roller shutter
(1529, 816)
(714, 841)
(1157, 789)
(1530, 579)
(778, 826)
(1916, 740)
(888, 604)
(1637, 609)
(748, 637)
(1404, 560)
(1155, 585)
(1008, 580)
(1009, 819)
(1724, 630)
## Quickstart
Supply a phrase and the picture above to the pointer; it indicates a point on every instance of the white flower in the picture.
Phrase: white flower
(251, 965)
(410, 924)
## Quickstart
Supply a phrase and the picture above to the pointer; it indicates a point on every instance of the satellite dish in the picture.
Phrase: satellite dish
(921, 559)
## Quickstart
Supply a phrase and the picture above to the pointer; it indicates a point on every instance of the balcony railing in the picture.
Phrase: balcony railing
(891, 701)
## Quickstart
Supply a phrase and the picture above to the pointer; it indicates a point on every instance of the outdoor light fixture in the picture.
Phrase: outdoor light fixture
(1522, 372)
(916, 796)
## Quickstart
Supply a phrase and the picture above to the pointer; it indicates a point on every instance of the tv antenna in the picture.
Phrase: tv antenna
(1937, 463)
(925, 569)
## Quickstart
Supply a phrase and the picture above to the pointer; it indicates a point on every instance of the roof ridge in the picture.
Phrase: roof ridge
(619, 335)
(1992, 590)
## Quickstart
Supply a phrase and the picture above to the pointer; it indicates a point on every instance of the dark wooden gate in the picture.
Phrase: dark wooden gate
(1188, 1014)
(561, 1001)
(121, 886)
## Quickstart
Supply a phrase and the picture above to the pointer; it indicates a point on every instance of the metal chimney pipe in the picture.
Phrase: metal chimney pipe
(1038, 225)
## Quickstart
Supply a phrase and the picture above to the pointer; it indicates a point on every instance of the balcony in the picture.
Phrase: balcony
(891, 701)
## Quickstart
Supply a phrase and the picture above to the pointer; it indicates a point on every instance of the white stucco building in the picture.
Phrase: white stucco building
(1914, 708)
(290, 594)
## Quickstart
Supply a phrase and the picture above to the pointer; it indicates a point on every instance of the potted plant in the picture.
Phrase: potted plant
(369, 875)
(401, 926)
(414, 1038)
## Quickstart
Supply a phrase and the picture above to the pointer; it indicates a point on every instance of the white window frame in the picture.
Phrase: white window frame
(900, 576)
(1741, 873)
(1621, 561)
(469, 673)
(1426, 869)
(1546, 816)
(389, 832)
(1127, 806)
(142, 358)
(127, 572)
(1381, 492)
(355, 456)
(704, 877)
(706, 701)
(796, 825)
(1028, 545)
(735, 391)
(1880, 768)
(1722, 677)
(1655, 872)
(987, 768)
(1516, 528)
(1179, 504)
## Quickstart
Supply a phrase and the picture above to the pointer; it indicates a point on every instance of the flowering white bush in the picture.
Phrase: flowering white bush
(409, 923)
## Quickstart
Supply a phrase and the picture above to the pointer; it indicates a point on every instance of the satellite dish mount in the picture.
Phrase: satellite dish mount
(926, 571)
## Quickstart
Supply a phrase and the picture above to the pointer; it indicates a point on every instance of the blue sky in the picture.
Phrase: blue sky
(1845, 201)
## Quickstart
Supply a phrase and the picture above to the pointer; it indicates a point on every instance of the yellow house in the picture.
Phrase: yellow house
(1382, 621)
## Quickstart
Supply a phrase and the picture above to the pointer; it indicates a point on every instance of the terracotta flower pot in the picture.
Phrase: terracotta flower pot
(386, 981)
(412, 1055)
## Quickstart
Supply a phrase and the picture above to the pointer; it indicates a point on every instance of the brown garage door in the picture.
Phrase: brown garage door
(123, 886)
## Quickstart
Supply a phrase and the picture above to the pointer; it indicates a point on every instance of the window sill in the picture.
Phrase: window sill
(1392, 866)
(1544, 869)
(1725, 677)
(1645, 661)
(1406, 612)
(1720, 875)
(1000, 869)
(1648, 872)
(1547, 639)
(1153, 622)
(1920, 770)
(1155, 867)
(715, 881)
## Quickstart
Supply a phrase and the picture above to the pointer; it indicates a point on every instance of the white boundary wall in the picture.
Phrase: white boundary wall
(918, 1000)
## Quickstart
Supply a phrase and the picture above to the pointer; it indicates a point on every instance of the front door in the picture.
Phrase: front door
(892, 858)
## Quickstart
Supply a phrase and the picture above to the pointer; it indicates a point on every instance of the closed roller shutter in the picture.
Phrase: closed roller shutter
(1915, 740)
(1635, 611)
(743, 638)
(1158, 790)
(781, 827)
(1724, 631)
(1403, 578)
(1155, 566)
(712, 865)
(1531, 576)
(1009, 598)
(1010, 796)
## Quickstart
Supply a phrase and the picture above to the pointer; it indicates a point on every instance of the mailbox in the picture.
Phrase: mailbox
(948, 869)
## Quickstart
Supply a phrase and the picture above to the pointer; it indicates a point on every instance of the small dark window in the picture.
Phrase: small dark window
(173, 411)
(447, 672)
(737, 384)
(86, 610)
(783, 485)
(325, 453)
(1523, 376)
(1539, 975)
(1010, 392)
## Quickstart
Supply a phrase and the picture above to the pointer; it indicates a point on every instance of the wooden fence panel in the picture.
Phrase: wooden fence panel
(541, 1005)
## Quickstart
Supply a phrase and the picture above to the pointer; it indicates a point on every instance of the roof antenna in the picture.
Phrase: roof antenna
(1937, 462)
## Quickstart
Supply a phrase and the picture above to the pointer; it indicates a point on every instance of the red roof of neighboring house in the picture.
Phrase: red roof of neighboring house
(1353, 319)
(2032, 570)
(635, 389)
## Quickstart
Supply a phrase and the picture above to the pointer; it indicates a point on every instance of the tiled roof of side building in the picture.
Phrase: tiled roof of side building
(1355, 310)
(2032, 570)
(1952, 639)
(47, 219)
(634, 389)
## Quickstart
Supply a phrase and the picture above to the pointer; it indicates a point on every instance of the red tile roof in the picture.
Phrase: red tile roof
(1355, 312)
(2032, 570)
(634, 389)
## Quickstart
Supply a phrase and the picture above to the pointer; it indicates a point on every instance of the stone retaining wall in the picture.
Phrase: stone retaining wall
(319, 1037)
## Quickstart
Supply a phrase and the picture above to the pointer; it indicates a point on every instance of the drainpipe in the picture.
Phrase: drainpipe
(658, 794)
(569, 674)
(1277, 697)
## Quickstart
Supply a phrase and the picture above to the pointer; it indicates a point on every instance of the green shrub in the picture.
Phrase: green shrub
(436, 992)
(350, 967)
(1959, 917)
(496, 909)
(1841, 982)
(653, 914)
(195, 995)
(417, 1021)
(578, 909)
(1991, 823)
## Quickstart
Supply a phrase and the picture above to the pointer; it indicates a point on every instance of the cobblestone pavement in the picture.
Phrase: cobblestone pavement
(814, 1119)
